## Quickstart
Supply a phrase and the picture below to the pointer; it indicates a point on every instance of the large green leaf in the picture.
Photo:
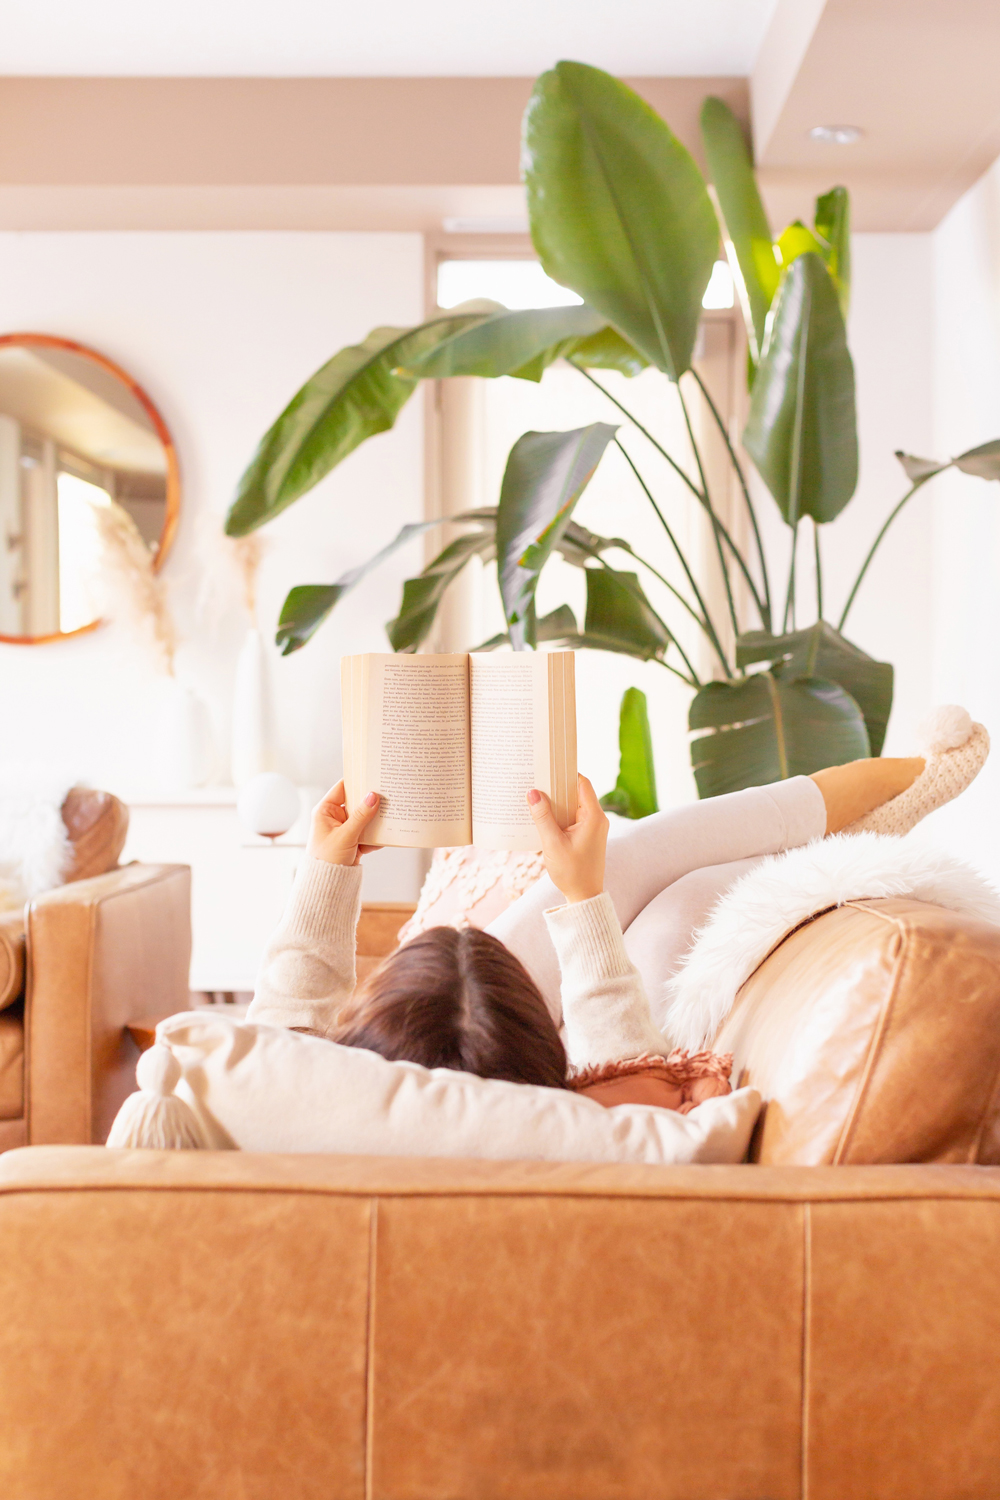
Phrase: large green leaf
(801, 432)
(355, 395)
(524, 343)
(747, 229)
(833, 224)
(634, 793)
(822, 651)
(545, 476)
(422, 595)
(579, 546)
(797, 240)
(621, 617)
(764, 728)
(919, 470)
(619, 210)
(560, 625)
(307, 606)
(983, 462)
(607, 350)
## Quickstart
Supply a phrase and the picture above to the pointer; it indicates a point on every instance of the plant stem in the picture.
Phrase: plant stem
(691, 681)
(716, 524)
(819, 572)
(875, 545)
(702, 499)
(644, 430)
(705, 619)
(667, 584)
(763, 606)
(641, 599)
(790, 593)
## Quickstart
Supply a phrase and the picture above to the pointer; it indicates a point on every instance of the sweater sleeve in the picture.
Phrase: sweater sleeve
(307, 971)
(605, 1010)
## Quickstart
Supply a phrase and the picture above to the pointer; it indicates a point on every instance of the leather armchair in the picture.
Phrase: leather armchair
(76, 966)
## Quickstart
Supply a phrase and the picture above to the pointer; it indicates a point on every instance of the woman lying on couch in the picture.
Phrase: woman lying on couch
(492, 1003)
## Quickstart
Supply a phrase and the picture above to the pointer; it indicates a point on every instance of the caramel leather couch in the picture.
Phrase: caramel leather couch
(76, 965)
(821, 1324)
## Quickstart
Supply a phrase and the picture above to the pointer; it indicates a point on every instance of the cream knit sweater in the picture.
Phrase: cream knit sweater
(307, 972)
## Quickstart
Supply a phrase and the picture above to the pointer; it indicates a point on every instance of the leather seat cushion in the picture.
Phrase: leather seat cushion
(11, 957)
(97, 824)
(12, 1063)
(873, 1034)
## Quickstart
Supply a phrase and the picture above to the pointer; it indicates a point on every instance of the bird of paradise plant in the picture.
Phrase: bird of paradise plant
(621, 213)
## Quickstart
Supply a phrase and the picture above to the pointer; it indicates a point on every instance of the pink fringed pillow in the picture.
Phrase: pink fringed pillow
(469, 887)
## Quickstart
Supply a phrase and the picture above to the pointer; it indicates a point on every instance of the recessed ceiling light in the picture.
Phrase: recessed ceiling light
(836, 135)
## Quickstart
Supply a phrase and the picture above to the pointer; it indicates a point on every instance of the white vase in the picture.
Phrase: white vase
(185, 750)
(252, 740)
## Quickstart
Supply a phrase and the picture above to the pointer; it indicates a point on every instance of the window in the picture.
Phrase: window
(475, 424)
(523, 283)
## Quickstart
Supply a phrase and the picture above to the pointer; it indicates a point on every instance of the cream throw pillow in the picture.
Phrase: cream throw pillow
(214, 1083)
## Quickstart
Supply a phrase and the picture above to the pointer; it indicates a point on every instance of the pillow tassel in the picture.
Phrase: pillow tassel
(155, 1118)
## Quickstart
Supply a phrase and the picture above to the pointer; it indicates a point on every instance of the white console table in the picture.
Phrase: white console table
(239, 883)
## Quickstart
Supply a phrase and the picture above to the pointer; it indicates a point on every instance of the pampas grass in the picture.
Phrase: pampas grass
(136, 593)
(247, 552)
(228, 569)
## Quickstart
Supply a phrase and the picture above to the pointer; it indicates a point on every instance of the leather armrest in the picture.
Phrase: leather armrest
(97, 824)
(101, 952)
(11, 957)
(379, 924)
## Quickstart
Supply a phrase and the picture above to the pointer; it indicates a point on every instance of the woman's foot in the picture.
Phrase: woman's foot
(954, 752)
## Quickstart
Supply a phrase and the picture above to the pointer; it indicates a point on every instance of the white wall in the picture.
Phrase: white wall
(221, 329)
(891, 339)
(966, 511)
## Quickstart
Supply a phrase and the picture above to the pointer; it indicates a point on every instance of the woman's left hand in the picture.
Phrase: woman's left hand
(335, 833)
(574, 856)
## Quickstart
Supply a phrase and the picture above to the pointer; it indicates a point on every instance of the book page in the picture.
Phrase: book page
(406, 736)
(522, 709)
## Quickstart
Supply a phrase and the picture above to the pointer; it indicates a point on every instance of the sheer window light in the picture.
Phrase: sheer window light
(523, 283)
(80, 540)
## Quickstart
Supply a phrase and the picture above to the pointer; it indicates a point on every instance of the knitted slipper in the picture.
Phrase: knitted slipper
(955, 751)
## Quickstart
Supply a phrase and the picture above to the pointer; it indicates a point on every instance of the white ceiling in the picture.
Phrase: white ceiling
(387, 38)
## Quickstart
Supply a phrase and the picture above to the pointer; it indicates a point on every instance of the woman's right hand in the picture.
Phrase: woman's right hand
(574, 856)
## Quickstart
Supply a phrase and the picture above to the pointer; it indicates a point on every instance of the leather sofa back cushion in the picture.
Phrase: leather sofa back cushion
(11, 957)
(97, 824)
(873, 1033)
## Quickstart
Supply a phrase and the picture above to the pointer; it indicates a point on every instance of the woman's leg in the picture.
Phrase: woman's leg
(656, 851)
(659, 940)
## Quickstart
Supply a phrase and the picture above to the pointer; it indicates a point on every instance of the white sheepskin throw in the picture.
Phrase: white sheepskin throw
(35, 851)
(784, 890)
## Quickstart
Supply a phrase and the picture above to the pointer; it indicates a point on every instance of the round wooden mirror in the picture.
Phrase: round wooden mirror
(76, 432)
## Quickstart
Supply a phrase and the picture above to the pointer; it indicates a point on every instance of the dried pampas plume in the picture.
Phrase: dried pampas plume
(228, 571)
(247, 553)
(135, 591)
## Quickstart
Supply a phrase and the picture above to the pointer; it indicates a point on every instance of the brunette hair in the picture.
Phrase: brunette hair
(457, 999)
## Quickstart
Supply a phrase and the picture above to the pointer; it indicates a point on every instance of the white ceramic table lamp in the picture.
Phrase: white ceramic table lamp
(269, 805)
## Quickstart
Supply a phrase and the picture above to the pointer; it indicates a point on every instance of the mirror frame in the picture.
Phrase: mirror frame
(173, 497)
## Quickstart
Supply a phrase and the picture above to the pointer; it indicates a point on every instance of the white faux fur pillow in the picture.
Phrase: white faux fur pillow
(214, 1083)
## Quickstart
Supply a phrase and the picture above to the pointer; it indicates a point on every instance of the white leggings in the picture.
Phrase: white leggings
(664, 875)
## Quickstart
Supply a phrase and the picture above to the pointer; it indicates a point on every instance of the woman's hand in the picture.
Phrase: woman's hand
(574, 856)
(335, 833)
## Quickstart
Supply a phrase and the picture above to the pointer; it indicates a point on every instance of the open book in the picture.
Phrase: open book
(453, 743)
